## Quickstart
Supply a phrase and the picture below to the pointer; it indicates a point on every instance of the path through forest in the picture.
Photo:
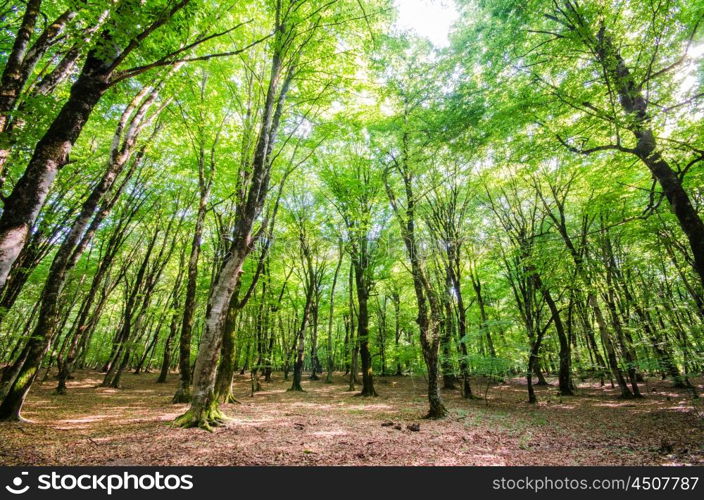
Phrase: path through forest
(328, 426)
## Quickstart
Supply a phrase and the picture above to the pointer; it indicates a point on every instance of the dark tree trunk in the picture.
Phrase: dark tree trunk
(183, 393)
(429, 305)
(330, 354)
(634, 103)
(11, 81)
(477, 285)
(226, 368)
(173, 331)
(314, 359)
(298, 363)
(50, 155)
(73, 246)
(362, 288)
(565, 372)
(448, 327)
(132, 309)
(14, 78)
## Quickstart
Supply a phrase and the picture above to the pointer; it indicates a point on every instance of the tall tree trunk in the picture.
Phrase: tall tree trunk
(20, 66)
(173, 331)
(314, 359)
(429, 321)
(73, 246)
(52, 151)
(183, 393)
(50, 155)
(462, 343)
(477, 285)
(565, 372)
(448, 327)
(635, 105)
(396, 299)
(330, 354)
(226, 368)
(11, 81)
(362, 288)
(204, 411)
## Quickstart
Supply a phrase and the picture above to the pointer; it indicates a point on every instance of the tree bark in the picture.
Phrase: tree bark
(362, 288)
(330, 356)
(183, 393)
(52, 151)
(67, 256)
(635, 105)
(204, 411)
(565, 371)
(429, 321)
(50, 155)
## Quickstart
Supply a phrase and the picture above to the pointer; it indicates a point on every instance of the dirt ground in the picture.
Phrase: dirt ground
(326, 425)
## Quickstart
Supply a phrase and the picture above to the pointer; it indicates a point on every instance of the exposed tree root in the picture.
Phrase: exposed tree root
(202, 418)
(230, 398)
(436, 413)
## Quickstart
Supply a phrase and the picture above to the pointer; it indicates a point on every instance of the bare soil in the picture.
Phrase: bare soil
(327, 425)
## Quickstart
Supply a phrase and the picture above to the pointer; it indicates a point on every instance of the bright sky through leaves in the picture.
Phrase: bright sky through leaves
(430, 19)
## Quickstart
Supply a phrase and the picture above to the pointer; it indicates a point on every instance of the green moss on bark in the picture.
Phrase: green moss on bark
(202, 417)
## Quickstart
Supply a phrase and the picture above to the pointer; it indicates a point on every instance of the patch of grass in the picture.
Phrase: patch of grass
(539, 420)
(459, 413)
(524, 441)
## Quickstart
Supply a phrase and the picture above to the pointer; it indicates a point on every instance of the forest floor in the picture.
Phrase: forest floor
(326, 425)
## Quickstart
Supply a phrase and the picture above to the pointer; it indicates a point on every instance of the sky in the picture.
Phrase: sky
(430, 19)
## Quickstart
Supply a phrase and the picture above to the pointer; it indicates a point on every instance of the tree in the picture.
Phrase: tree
(100, 71)
(355, 193)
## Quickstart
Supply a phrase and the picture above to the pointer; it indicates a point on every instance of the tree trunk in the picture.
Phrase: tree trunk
(331, 358)
(204, 410)
(20, 66)
(226, 368)
(50, 155)
(635, 105)
(426, 297)
(314, 360)
(565, 381)
(80, 235)
(448, 326)
(11, 82)
(363, 330)
(300, 336)
(183, 393)
(477, 285)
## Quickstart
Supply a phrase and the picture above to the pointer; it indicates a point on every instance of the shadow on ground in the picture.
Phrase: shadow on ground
(327, 425)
